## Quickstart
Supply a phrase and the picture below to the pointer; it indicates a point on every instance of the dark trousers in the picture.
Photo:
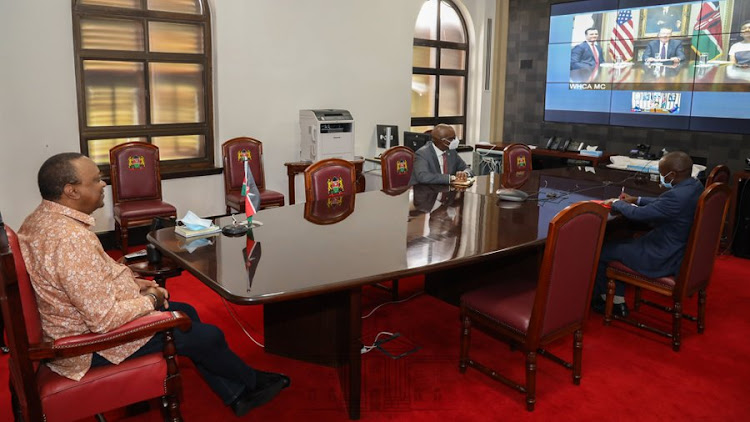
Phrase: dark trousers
(612, 251)
(204, 344)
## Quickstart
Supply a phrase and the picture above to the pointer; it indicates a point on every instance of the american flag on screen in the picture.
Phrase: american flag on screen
(622, 37)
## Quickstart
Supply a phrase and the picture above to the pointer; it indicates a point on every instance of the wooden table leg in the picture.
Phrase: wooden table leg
(324, 329)
(290, 175)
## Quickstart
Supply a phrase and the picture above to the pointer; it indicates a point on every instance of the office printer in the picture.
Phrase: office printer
(326, 134)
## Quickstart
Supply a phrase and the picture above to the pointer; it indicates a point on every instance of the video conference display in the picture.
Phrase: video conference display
(672, 65)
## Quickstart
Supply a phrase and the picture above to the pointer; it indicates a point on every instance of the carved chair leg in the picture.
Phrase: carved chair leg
(174, 383)
(638, 299)
(463, 361)
(676, 325)
(124, 238)
(701, 310)
(610, 300)
(14, 403)
(530, 381)
(577, 356)
(3, 347)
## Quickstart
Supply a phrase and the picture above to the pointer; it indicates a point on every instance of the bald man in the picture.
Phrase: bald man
(437, 162)
(659, 252)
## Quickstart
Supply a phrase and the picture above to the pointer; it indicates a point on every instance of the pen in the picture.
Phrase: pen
(622, 192)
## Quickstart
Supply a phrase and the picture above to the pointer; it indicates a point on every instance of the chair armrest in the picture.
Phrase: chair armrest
(142, 327)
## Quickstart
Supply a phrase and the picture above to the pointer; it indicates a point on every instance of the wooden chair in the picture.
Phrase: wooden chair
(233, 152)
(330, 178)
(516, 165)
(396, 163)
(695, 272)
(719, 174)
(529, 314)
(136, 188)
(38, 394)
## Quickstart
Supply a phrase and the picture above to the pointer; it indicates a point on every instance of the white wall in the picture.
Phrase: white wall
(271, 59)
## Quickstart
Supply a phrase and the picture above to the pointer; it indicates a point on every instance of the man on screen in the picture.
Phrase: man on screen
(588, 54)
(664, 49)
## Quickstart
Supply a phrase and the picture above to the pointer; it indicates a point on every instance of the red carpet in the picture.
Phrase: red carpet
(628, 374)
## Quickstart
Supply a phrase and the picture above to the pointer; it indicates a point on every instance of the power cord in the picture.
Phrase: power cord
(397, 301)
(232, 314)
(367, 349)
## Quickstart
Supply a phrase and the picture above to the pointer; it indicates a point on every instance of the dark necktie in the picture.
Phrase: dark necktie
(663, 54)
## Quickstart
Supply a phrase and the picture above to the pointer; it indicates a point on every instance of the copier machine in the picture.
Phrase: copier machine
(325, 134)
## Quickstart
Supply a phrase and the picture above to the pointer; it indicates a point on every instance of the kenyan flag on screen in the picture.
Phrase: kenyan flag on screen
(707, 31)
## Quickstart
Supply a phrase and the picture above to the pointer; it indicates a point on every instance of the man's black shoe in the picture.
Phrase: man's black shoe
(259, 396)
(598, 305)
(263, 378)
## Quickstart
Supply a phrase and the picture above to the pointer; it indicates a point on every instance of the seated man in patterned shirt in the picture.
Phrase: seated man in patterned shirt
(80, 289)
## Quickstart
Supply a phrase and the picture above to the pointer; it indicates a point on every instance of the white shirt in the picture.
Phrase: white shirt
(439, 154)
(739, 46)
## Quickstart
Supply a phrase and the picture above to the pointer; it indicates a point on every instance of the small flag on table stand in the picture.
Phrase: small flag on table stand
(249, 208)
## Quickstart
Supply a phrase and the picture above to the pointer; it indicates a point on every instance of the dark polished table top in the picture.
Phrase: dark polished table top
(305, 249)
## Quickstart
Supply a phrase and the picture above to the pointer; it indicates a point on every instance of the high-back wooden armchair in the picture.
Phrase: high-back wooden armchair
(329, 179)
(136, 188)
(695, 272)
(38, 394)
(396, 163)
(719, 174)
(516, 165)
(233, 152)
(530, 313)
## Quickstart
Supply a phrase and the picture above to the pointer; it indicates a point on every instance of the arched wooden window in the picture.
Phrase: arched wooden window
(440, 68)
(143, 72)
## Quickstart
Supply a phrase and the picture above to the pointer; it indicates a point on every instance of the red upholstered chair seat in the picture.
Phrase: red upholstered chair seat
(508, 303)
(270, 197)
(117, 388)
(623, 270)
(144, 209)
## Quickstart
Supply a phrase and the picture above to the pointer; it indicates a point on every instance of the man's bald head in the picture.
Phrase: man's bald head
(442, 135)
(678, 163)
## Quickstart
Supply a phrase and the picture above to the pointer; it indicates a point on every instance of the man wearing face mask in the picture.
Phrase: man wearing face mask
(659, 252)
(437, 162)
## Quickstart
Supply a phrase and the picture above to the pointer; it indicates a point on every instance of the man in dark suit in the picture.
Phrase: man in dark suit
(664, 48)
(659, 252)
(437, 162)
(588, 54)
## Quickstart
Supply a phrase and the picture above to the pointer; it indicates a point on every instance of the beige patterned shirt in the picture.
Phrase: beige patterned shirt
(79, 288)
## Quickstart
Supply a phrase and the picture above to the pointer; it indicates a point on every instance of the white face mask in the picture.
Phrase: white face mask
(453, 144)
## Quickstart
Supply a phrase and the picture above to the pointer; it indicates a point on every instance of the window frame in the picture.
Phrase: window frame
(438, 72)
(169, 168)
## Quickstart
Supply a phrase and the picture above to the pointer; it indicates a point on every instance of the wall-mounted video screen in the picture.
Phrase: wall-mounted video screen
(658, 64)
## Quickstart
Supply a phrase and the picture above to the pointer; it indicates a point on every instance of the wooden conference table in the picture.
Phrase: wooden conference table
(307, 263)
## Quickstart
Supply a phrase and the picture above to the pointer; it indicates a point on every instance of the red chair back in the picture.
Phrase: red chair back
(396, 163)
(566, 278)
(22, 322)
(134, 172)
(233, 152)
(719, 174)
(516, 165)
(700, 253)
(329, 179)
